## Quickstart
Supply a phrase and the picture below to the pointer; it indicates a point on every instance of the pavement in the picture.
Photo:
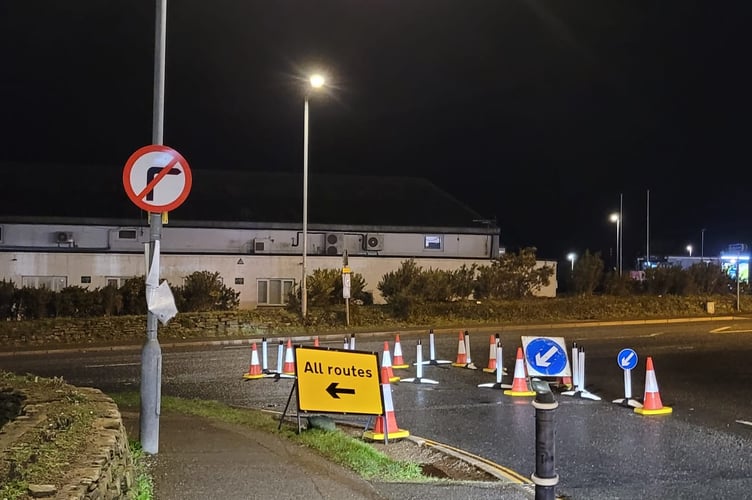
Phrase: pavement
(202, 459)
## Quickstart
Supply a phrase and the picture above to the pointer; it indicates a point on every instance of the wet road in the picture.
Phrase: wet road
(603, 450)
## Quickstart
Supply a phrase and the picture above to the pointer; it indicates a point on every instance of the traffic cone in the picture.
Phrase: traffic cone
(651, 404)
(461, 352)
(289, 367)
(254, 371)
(491, 368)
(399, 362)
(386, 427)
(316, 341)
(519, 384)
(386, 362)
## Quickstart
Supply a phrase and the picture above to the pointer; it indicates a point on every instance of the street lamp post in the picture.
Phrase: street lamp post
(702, 243)
(617, 219)
(316, 81)
(571, 258)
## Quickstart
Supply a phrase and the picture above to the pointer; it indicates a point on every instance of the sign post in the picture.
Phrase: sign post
(157, 179)
(346, 286)
(627, 360)
(338, 381)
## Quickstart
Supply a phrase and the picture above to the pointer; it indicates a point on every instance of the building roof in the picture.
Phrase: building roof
(46, 192)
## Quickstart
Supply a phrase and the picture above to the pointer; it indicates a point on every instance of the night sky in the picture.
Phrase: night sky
(538, 114)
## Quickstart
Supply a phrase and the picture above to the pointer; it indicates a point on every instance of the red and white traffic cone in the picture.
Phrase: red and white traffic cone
(289, 367)
(254, 371)
(316, 341)
(399, 362)
(652, 404)
(461, 352)
(386, 427)
(386, 362)
(491, 368)
(519, 384)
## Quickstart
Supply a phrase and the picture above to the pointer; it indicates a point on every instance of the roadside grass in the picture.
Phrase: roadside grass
(336, 446)
(144, 483)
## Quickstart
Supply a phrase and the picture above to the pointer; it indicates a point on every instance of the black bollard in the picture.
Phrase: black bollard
(545, 477)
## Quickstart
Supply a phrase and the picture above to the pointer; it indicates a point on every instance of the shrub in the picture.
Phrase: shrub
(8, 304)
(204, 291)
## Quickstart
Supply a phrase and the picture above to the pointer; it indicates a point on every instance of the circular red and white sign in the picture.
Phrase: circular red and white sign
(157, 178)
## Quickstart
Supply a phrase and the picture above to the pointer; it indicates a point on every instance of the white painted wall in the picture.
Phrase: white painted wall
(174, 267)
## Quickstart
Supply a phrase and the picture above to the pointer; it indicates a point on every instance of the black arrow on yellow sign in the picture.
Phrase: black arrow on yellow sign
(335, 391)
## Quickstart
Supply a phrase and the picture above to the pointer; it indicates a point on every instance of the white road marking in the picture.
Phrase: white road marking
(726, 329)
(111, 365)
(744, 422)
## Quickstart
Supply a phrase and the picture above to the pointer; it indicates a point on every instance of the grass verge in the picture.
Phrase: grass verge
(336, 446)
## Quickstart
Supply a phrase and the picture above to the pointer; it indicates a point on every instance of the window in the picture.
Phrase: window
(53, 283)
(274, 291)
(432, 242)
(116, 281)
(239, 281)
(127, 234)
(85, 279)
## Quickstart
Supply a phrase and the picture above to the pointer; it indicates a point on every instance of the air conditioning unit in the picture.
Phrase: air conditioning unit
(374, 241)
(334, 243)
(262, 245)
(63, 237)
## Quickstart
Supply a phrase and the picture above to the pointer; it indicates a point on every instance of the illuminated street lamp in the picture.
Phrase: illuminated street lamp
(316, 81)
(571, 257)
(689, 250)
(615, 218)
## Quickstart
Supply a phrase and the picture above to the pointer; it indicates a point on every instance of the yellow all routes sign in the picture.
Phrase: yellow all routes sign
(338, 381)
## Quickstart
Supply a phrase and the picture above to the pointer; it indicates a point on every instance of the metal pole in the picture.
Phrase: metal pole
(647, 236)
(702, 244)
(616, 263)
(621, 232)
(151, 354)
(303, 284)
(738, 306)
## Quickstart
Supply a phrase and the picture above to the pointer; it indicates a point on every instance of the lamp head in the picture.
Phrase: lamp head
(317, 81)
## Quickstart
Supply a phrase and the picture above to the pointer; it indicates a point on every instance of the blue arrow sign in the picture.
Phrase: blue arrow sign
(627, 359)
(546, 356)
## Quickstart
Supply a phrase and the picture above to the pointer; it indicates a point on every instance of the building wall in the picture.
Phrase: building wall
(15, 266)
(92, 256)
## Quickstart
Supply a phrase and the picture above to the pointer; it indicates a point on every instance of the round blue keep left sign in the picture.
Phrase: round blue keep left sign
(546, 356)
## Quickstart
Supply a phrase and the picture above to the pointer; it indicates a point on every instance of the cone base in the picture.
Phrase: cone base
(519, 393)
(496, 385)
(249, 376)
(469, 366)
(394, 379)
(658, 411)
(380, 436)
(489, 370)
(400, 366)
(421, 380)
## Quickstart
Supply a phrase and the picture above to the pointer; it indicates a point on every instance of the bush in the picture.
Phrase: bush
(7, 299)
(204, 291)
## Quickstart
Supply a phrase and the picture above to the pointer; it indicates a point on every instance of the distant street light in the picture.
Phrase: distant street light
(615, 218)
(571, 257)
(316, 81)
(689, 250)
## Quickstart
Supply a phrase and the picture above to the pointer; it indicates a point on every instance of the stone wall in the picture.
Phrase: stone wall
(110, 330)
(103, 471)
